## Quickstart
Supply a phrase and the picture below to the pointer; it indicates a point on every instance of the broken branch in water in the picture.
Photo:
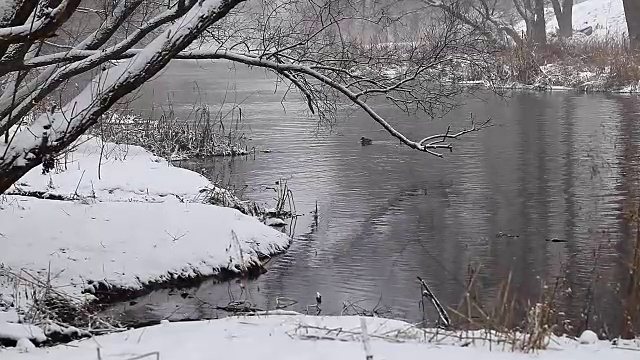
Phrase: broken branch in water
(442, 313)
(431, 141)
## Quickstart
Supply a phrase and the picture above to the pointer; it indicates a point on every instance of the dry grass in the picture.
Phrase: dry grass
(589, 65)
(285, 206)
(527, 326)
(202, 133)
(60, 315)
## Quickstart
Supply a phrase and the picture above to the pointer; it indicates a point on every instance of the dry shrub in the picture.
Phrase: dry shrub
(202, 133)
(61, 316)
(610, 61)
(521, 64)
(526, 326)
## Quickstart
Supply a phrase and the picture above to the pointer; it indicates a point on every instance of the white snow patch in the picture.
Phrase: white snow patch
(275, 222)
(19, 331)
(25, 345)
(588, 337)
(111, 172)
(605, 17)
(128, 245)
(296, 337)
(10, 315)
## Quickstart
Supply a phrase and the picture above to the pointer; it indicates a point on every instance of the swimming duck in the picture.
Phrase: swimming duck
(365, 141)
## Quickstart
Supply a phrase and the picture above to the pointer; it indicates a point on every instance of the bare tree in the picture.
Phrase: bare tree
(632, 13)
(532, 12)
(490, 17)
(303, 42)
(563, 9)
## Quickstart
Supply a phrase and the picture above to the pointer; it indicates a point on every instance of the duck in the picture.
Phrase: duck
(365, 141)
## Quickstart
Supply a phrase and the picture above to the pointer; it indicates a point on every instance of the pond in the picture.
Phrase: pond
(555, 166)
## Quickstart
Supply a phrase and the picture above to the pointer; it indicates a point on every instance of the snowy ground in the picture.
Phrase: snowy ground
(132, 221)
(605, 17)
(308, 337)
(128, 244)
(111, 172)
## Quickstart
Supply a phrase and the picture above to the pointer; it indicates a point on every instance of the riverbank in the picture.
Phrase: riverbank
(595, 59)
(294, 336)
(110, 221)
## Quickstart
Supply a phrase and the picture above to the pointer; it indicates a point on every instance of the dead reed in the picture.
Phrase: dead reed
(202, 133)
(587, 64)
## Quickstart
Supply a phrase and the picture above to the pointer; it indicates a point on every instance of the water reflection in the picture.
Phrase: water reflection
(555, 165)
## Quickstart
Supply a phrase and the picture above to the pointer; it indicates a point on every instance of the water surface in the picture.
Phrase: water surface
(554, 165)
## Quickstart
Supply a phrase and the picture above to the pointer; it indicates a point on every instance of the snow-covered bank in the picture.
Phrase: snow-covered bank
(114, 172)
(128, 245)
(605, 18)
(129, 220)
(105, 171)
(594, 59)
(308, 337)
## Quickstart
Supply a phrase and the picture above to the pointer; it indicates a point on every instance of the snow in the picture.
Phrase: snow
(112, 172)
(275, 222)
(300, 337)
(128, 244)
(19, 331)
(141, 221)
(9, 315)
(606, 17)
(84, 106)
(588, 337)
(25, 345)
(629, 89)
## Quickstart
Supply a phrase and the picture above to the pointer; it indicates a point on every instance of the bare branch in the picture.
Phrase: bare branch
(317, 48)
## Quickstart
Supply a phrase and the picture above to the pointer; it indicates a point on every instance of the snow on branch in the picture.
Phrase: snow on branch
(54, 131)
(48, 21)
(20, 103)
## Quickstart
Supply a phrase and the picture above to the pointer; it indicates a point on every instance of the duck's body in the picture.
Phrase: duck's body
(365, 141)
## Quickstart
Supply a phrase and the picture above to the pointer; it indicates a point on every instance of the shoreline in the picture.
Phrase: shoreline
(285, 335)
(108, 295)
(113, 222)
(632, 89)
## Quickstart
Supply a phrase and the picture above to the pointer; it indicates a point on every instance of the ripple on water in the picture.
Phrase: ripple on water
(557, 165)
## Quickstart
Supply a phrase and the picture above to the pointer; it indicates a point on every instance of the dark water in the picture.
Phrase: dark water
(555, 165)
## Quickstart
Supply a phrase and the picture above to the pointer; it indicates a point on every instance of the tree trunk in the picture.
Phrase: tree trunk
(564, 15)
(539, 25)
(632, 13)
